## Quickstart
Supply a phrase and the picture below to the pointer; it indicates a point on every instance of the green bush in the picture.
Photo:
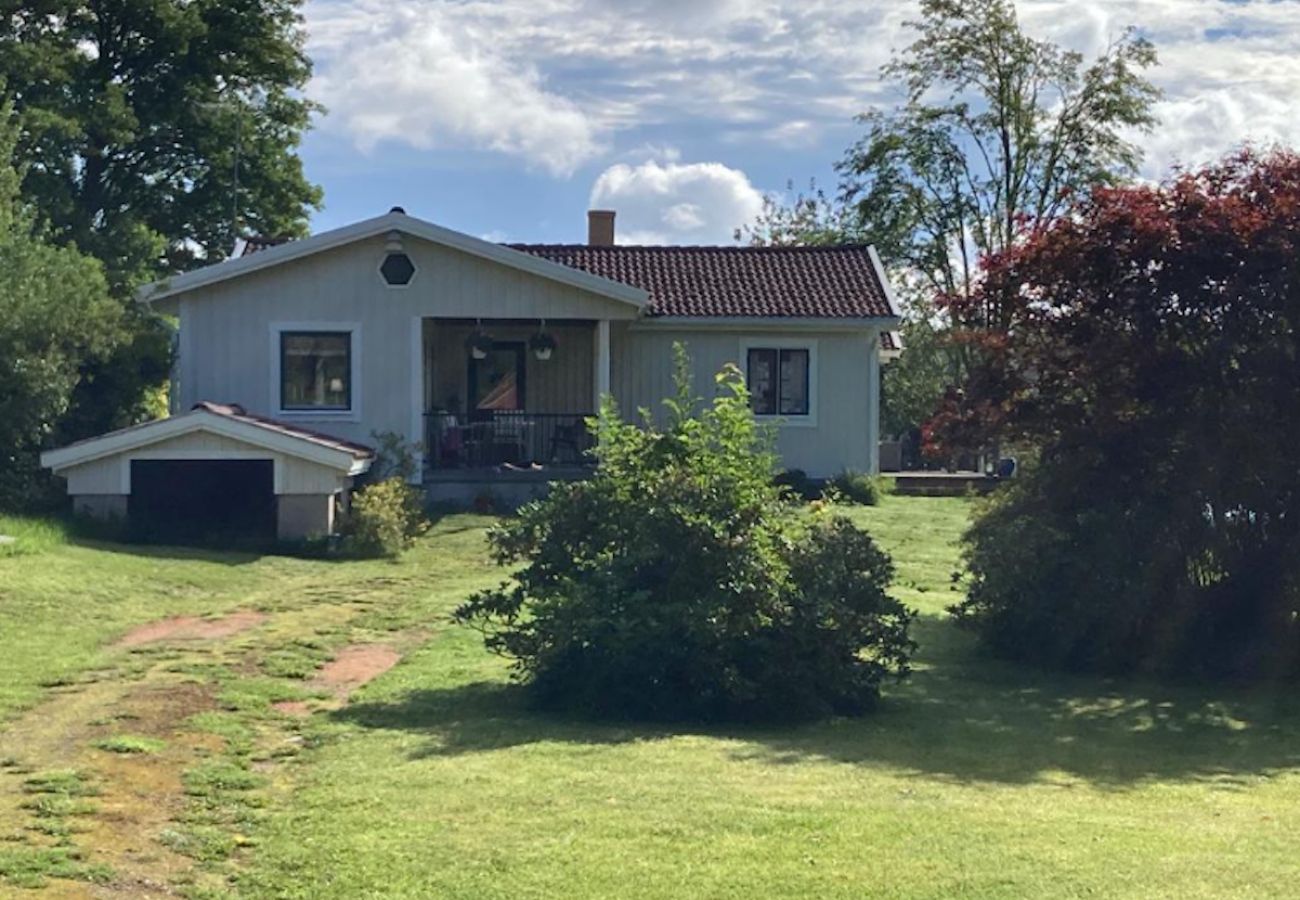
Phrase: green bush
(1083, 568)
(384, 519)
(857, 487)
(677, 583)
(797, 482)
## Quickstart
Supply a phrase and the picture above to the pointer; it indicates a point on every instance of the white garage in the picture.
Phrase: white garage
(213, 471)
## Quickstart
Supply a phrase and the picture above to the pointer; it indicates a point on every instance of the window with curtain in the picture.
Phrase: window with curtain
(778, 381)
(315, 370)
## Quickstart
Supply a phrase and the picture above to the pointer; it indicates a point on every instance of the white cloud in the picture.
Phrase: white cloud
(1229, 71)
(562, 83)
(408, 72)
(676, 203)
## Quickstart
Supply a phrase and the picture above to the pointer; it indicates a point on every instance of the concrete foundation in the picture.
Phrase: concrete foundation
(100, 506)
(302, 516)
(494, 489)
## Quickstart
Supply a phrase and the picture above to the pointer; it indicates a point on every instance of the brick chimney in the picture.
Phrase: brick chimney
(600, 227)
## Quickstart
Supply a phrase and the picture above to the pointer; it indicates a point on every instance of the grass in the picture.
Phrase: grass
(130, 743)
(974, 779)
(30, 535)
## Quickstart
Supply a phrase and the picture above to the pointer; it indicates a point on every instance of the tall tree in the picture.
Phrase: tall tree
(55, 316)
(155, 132)
(997, 132)
(157, 129)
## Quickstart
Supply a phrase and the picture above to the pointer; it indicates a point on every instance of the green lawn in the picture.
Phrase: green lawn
(974, 779)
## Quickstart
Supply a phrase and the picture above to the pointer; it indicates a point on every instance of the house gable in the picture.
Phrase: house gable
(408, 230)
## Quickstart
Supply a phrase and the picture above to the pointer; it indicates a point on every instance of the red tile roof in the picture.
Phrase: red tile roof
(238, 413)
(764, 282)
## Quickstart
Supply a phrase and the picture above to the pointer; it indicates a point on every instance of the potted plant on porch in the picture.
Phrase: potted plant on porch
(479, 344)
(542, 344)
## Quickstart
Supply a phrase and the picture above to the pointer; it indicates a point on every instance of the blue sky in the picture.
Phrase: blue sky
(509, 118)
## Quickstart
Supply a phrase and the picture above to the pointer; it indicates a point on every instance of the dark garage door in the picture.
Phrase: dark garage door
(223, 501)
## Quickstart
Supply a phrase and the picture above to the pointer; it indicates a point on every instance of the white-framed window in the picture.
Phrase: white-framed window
(315, 370)
(781, 374)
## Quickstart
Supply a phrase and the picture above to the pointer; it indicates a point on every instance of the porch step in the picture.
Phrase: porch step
(496, 488)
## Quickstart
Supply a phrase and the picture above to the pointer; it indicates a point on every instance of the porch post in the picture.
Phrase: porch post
(600, 375)
(417, 399)
(873, 402)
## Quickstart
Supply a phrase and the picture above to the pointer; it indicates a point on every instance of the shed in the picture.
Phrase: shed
(215, 467)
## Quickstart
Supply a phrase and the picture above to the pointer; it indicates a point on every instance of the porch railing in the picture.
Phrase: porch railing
(483, 438)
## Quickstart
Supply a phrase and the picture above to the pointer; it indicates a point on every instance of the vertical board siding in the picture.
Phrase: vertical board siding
(226, 356)
(99, 476)
(296, 476)
(561, 384)
(228, 353)
(842, 438)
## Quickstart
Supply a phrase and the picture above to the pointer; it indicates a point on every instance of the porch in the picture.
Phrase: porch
(508, 399)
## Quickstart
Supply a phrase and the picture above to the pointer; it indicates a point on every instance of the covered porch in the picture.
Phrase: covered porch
(509, 397)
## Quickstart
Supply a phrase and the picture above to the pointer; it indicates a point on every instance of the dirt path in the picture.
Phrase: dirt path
(191, 628)
(351, 668)
(97, 783)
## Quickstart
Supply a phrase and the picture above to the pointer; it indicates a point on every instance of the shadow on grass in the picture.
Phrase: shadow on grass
(199, 553)
(959, 718)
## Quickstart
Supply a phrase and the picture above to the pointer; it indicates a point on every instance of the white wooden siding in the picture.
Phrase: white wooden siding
(227, 354)
(228, 350)
(111, 474)
(845, 431)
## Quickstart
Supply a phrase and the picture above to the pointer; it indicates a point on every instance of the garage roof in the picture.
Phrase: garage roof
(228, 420)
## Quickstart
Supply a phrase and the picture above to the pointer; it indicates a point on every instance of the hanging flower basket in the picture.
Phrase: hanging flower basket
(479, 344)
(542, 344)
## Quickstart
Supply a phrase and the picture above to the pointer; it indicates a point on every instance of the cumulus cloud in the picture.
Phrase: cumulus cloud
(676, 203)
(562, 83)
(1229, 71)
(410, 72)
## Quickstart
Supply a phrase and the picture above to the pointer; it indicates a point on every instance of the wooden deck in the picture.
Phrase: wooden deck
(942, 484)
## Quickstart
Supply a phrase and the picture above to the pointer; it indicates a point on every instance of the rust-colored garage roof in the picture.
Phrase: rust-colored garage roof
(237, 412)
(228, 419)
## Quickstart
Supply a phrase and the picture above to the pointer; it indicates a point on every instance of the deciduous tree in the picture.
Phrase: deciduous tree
(1151, 356)
(996, 133)
(155, 132)
(56, 316)
(998, 130)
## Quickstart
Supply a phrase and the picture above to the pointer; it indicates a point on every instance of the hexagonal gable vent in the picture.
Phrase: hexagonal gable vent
(397, 269)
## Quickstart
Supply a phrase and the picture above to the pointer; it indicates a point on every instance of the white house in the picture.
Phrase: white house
(488, 355)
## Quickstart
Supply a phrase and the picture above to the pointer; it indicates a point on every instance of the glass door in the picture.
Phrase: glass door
(497, 381)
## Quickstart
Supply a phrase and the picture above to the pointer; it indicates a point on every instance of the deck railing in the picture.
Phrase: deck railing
(484, 438)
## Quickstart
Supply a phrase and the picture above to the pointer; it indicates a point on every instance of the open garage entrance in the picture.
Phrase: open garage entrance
(203, 501)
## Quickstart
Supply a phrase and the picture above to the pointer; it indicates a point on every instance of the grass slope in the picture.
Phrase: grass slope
(974, 779)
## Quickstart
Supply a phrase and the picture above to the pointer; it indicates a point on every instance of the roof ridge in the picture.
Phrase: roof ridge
(724, 248)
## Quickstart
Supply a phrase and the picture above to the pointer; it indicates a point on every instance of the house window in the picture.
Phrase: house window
(778, 380)
(316, 370)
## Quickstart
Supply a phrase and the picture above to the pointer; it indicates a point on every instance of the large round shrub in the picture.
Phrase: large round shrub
(679, 583)
(1150, 355)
